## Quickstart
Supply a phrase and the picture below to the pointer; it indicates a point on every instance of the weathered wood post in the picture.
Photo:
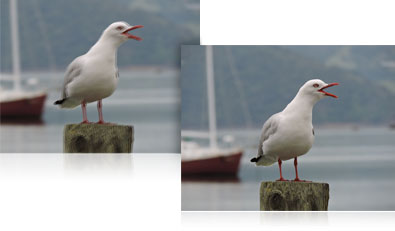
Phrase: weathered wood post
(293, 196)
(98, 138)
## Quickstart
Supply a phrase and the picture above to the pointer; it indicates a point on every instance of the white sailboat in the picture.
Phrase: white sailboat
(19, 103)
(211, 160)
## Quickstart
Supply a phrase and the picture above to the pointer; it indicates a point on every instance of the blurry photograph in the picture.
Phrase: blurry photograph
(287, 128)
(93, 62)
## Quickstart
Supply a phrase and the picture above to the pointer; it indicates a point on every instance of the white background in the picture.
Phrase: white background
(89, 192)
(142, 191)
(297, 22)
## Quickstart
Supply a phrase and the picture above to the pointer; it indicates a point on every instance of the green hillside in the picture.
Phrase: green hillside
(53, 33)
(375, 63)
(268, 77)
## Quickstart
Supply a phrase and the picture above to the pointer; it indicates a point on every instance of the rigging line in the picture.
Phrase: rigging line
(204, 110)
(225, 106)
(43, 28)
(240, 89)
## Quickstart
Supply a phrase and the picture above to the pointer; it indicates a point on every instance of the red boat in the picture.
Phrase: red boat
(217, 165)
(208, 161)
(22, 104)
(19, 104)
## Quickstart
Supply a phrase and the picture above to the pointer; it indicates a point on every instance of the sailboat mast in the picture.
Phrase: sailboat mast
(212, 118)
(16, 66)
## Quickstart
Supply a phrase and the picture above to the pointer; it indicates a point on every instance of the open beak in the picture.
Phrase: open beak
(327, 93)
(132, 36)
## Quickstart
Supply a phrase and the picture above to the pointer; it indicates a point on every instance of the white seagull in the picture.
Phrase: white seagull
(94, 75)
(289, 134)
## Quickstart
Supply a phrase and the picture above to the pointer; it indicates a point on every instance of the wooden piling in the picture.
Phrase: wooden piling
(98, 138)
(294, 196)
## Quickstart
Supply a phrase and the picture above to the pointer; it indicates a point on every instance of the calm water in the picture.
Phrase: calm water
(148, 100)
(359, 166)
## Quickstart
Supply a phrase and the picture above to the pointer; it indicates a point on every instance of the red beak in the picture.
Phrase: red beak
(327, 93)
(133, 36)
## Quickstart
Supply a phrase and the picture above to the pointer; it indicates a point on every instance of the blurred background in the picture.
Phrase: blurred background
(53, 33)
(354, 148)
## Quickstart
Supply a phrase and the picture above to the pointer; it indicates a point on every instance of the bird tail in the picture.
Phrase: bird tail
(59, 101)
(264, 160)
(67, 103)
(256, 159)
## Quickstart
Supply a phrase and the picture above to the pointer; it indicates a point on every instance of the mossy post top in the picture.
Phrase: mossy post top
(294, 196)
(98, 138)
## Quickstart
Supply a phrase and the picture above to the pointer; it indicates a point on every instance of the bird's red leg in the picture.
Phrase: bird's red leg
(296, 171)
(99, 109)
(281, 174)
(84, 116)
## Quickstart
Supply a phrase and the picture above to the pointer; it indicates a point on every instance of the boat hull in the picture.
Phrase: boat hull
(31, 107)
(220, 165)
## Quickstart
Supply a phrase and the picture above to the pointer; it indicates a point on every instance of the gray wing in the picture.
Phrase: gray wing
(269, 128)
(73, 71)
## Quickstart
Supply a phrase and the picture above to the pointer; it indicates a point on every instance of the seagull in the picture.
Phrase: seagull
(290, 133)
(94, 76)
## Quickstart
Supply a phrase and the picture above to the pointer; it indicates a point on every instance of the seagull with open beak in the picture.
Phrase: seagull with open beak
(94, 75)
(290, 133)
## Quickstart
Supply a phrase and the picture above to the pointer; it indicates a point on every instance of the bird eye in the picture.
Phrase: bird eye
(316, 85)
(120, 28)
